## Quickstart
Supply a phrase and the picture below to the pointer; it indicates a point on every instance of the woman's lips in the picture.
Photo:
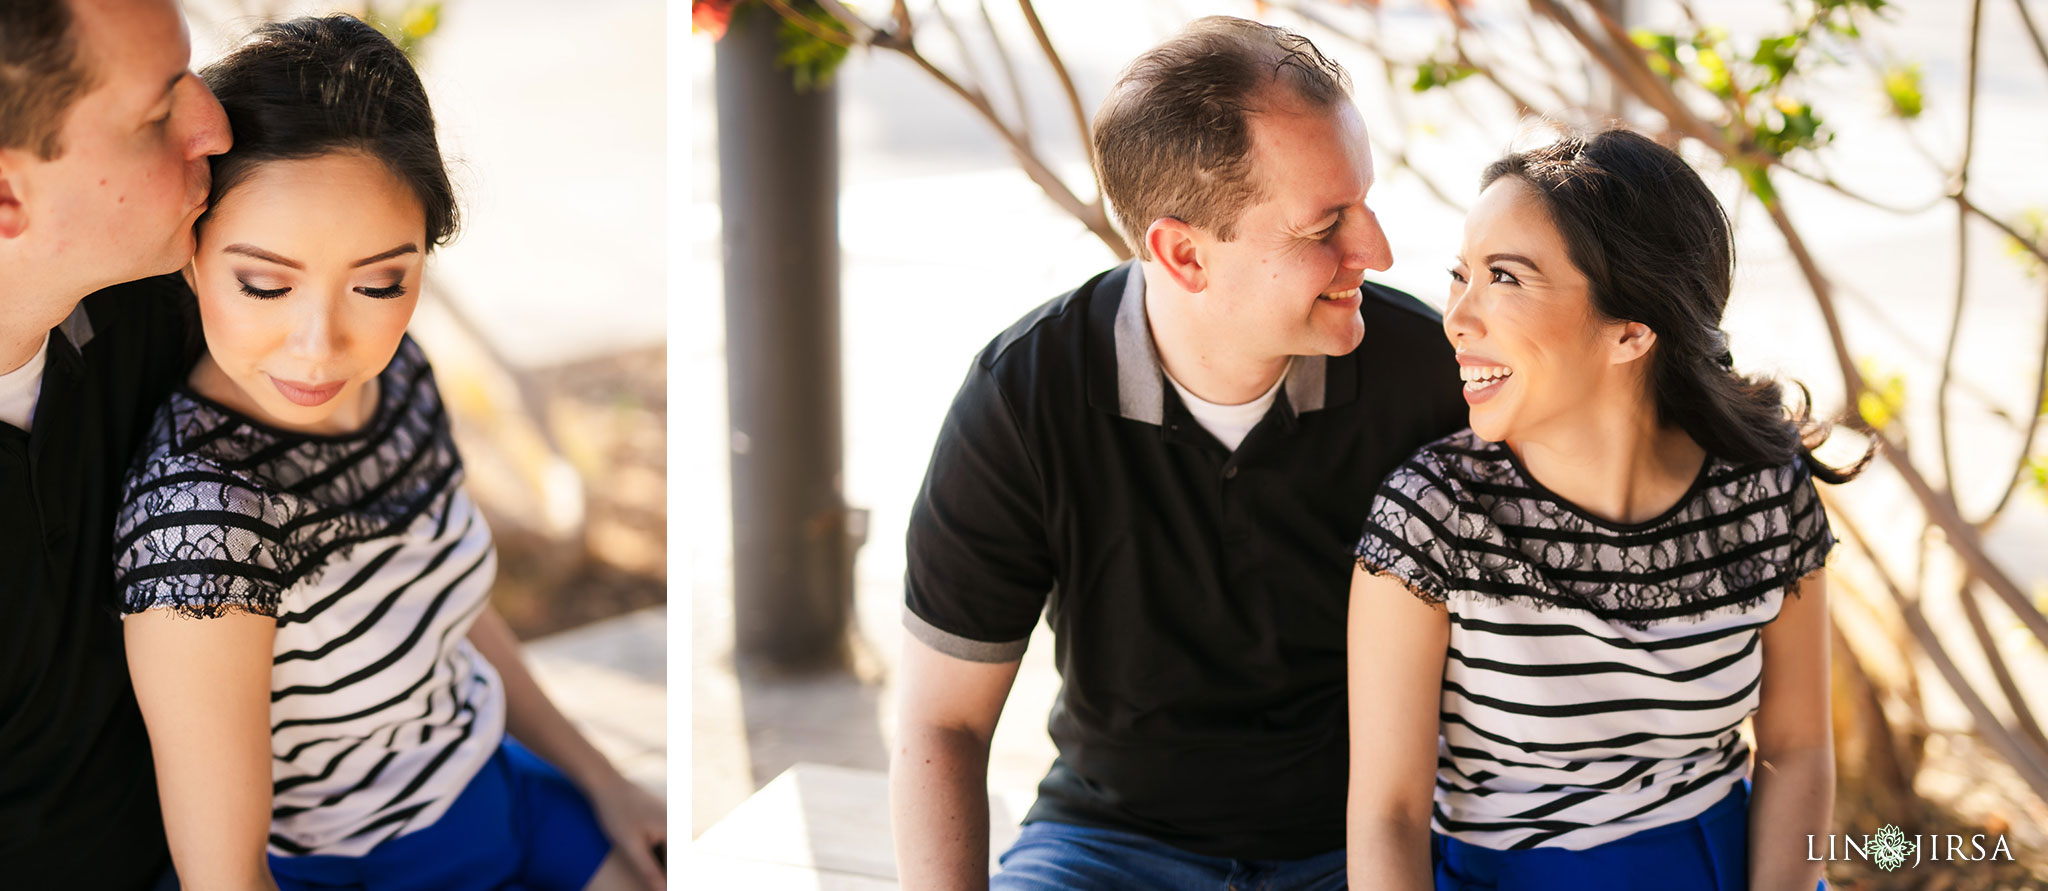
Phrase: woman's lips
(308, 394)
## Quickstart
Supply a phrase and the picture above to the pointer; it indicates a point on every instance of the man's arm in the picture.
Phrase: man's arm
(1794, 778)
(938, 774)
(204, 689)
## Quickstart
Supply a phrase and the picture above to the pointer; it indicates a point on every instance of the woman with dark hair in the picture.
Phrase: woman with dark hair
(304, 578)
(1611, 570)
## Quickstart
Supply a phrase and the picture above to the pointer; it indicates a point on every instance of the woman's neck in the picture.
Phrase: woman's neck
(1614, 462)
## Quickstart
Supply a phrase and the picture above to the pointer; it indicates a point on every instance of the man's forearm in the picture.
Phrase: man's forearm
(938, 802)
(1793, 797)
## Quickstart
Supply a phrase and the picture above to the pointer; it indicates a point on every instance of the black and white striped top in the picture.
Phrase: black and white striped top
(375, 563)
(1598, 673)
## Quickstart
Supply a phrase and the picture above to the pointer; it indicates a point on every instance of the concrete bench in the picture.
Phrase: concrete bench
(819, 827)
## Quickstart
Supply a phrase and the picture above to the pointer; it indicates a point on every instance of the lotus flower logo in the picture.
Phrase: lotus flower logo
(1889, 848)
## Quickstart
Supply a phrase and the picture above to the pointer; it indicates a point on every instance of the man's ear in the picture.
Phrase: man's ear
(1634, 342)
(1175, 247)
(13, 214)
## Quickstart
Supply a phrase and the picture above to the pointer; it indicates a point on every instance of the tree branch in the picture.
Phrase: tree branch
(1009, 72)
(2000, 671)
(2030, 426)
(1066, 80)
(782, 8)
(2033, 33)
(2032, 766)
(1955, 324)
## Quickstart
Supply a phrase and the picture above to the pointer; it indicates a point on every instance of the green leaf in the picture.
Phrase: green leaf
(1902, 86)
(2033, 223)
(1662, 49)
(1883, 399)
(1758, 180)
(1436, 73)
(811, 60)
(1714, 73)
(1775, 56)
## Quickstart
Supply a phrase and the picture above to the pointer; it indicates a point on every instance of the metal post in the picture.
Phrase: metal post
(778, 176)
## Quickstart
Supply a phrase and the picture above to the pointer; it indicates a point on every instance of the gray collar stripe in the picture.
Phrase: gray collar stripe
(1140, 391)
(77, 327)
(1140, 384)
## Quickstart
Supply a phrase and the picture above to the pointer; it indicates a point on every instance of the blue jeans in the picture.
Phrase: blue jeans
(1063, 857)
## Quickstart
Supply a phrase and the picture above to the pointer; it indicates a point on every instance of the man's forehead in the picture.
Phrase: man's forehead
(135, 47)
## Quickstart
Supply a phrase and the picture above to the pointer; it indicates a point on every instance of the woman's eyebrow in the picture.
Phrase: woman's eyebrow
(1512, 258)
(250, 250)
(399, 251)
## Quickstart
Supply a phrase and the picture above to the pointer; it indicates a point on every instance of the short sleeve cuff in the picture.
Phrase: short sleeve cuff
(962, 647)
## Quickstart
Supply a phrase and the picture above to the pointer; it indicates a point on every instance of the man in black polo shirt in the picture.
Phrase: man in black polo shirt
(1171, 463)
(104, 137)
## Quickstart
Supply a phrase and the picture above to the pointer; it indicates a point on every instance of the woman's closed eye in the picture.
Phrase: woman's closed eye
(388, 292)
(262, 293)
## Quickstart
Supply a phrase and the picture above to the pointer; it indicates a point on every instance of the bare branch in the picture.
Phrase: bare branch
(1844, 191)
(2033, 33)
(1066, 80)
(2000, 672)
(2003, 226)
(973, 67)
(800, 20)
(2031, 425)
(1955, 324)
(1009, 72)
(863, 33)
(2017, 751)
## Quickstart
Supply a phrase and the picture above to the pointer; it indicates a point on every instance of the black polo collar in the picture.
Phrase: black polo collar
(1126, 379)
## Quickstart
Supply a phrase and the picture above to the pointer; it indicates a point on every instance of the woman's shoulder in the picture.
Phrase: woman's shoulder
(1453, 465)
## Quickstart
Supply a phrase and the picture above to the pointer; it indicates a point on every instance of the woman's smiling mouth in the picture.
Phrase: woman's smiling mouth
(1482, 379)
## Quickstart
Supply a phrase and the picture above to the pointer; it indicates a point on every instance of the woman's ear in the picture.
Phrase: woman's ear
(1176, 247)
(1634, 342)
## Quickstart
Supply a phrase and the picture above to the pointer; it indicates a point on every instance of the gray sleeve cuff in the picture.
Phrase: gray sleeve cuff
(961, 647)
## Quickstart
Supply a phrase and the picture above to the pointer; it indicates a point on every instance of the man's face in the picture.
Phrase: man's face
(118, 204)
(1286, 285)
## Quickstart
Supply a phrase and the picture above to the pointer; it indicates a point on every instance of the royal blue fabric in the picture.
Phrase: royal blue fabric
(1050, 856)
(1709, 852)
(520, 825)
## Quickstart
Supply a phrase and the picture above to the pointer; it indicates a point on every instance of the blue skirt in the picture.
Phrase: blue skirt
(518, 826)
(1709, 852)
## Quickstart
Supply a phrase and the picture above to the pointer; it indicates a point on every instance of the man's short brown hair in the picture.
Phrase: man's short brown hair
(40, 74)
(1173, 138)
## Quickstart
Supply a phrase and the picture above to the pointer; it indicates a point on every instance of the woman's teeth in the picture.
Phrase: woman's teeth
(1479, 377)
(1339, 295)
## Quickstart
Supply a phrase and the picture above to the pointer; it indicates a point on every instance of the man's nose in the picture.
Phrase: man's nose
(1368, 248)
(207, 130)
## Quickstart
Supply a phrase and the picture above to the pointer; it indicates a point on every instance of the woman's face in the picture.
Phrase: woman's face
(307, 273)
(1530, 347)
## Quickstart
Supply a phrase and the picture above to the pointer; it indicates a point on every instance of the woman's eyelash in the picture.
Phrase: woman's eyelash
(385, 293)
(262, 293)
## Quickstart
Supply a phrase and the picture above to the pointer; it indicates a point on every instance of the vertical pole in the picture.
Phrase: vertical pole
(778, 194)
